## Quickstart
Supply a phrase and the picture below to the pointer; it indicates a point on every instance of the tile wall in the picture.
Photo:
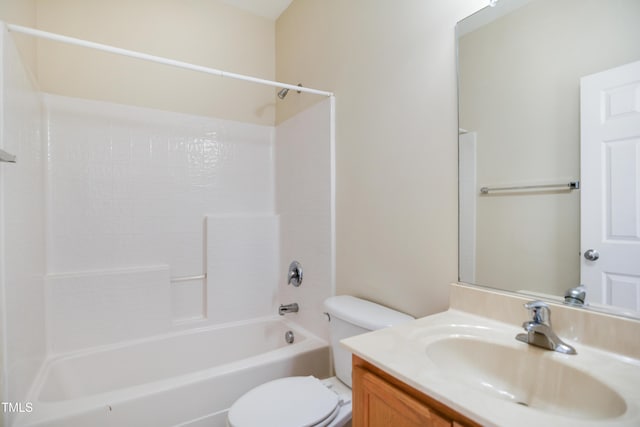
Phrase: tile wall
(242, 266)
(102, 307)
(131, 188)
(22, 255)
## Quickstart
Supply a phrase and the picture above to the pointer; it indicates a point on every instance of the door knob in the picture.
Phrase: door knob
(591, 255)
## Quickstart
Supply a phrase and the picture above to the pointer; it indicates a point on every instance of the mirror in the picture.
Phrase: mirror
(519, 70)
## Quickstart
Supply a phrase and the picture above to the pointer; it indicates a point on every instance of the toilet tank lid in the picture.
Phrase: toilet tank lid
(365, 314)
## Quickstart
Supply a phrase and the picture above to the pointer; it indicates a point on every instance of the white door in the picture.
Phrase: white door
(610, 194)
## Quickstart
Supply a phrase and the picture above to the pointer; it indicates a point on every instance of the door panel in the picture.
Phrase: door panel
(610, 195)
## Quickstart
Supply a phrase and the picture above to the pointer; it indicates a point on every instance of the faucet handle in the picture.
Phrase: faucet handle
(295, 274)
(539, 312)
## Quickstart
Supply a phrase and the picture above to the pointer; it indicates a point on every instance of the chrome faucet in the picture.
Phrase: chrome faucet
(575, 296)
(539, 332)
(295, 274)
(288, 308)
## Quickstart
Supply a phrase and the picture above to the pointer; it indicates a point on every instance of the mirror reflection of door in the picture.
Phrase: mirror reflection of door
(610, 174)
(519, 67)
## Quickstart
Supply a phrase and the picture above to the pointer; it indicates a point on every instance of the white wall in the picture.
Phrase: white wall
(133, 189)
(303, 199)
(391, 65)
(22, 256)
(131, 186)
(520, 94)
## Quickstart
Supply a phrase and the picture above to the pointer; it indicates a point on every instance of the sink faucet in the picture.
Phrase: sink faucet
(575, 296)
(288, 308)
(539, 332)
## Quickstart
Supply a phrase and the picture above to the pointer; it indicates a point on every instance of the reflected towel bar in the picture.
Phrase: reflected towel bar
(188, 278)
(572, 185)
(6, 157)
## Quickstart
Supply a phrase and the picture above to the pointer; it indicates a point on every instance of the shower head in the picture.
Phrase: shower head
(283, 93)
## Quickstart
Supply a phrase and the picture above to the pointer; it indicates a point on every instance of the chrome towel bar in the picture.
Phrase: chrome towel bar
(572, 185)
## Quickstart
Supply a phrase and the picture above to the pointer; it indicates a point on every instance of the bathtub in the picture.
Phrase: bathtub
(187, 378)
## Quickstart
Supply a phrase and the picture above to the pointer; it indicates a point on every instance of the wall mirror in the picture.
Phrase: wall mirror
(526, 203)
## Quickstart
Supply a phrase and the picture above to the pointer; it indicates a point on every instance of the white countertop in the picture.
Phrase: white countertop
(402, 352)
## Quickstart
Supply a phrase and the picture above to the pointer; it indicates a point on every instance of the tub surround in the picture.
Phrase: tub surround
(132, 188)
(22, 225)
(128, 224)
(495, 318)
(97, 308)
(304, 179)
(111, 284)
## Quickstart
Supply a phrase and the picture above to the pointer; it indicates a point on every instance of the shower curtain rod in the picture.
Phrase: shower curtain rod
(158, 59)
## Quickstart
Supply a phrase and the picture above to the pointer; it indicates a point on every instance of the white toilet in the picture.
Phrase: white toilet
(308, 401)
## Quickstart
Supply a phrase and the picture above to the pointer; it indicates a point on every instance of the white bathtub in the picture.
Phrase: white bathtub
(189, 378)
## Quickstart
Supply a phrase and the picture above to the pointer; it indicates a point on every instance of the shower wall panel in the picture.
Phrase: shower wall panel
(22, 256)
(104, 307)
(242, 266)
(131, 187)
(303, 199)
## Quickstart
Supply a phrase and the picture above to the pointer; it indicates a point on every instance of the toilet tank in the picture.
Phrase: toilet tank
(349, 316)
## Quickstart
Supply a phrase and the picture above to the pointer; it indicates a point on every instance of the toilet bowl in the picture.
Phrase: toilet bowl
(309, 401)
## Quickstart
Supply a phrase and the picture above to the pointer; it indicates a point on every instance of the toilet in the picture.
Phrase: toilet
(308, 401)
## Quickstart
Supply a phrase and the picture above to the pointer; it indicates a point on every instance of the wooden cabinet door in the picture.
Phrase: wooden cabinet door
(376, 403)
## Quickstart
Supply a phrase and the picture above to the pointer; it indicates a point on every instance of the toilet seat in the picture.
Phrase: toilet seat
(286, 402)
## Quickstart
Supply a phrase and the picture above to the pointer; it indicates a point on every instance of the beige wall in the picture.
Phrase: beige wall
(202, 32)
(391, 65)
(21, 12)
(520, 92)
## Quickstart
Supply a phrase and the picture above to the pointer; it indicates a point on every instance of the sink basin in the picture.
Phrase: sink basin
(525, 375)
(475, 366)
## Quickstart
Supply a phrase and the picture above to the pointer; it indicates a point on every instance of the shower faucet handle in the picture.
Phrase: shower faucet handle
(295, 274)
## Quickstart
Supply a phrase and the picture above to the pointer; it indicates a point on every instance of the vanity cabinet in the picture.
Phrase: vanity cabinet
(381, 400)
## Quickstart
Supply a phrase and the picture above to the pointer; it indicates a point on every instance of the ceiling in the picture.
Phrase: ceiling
(267, 8)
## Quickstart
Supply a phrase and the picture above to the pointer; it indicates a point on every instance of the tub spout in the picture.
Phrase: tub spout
(288, 308)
